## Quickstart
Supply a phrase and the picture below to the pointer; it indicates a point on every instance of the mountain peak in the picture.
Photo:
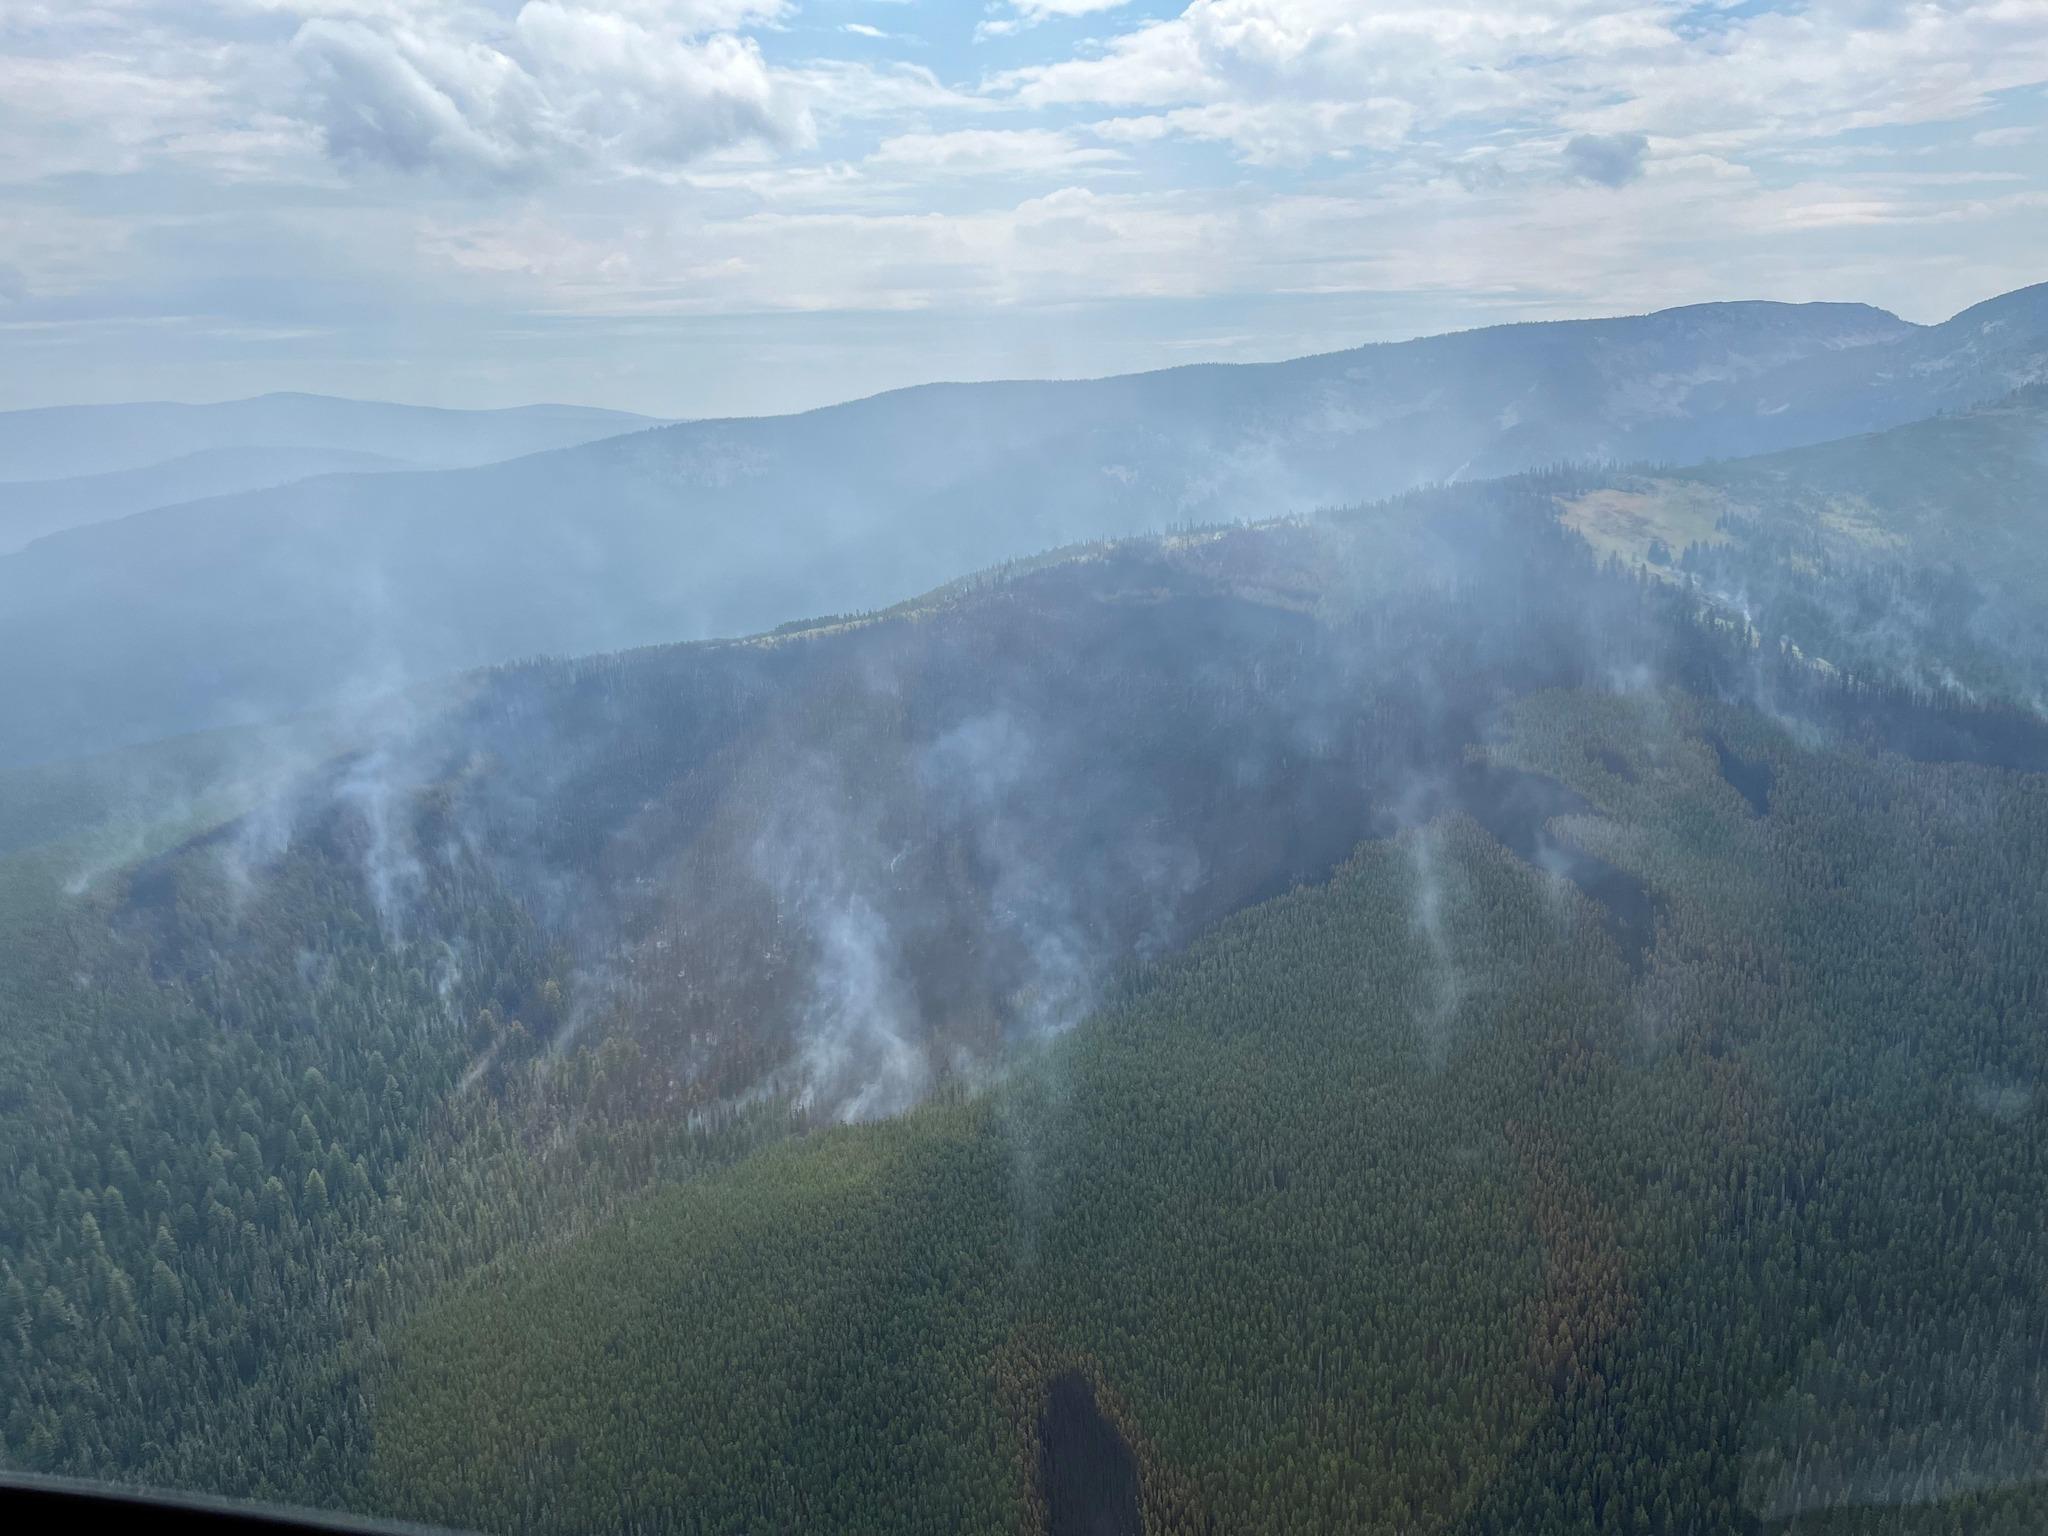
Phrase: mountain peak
(2029, 304)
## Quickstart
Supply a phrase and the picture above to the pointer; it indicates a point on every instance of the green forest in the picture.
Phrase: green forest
(1345, 1230)
(1387, 1023)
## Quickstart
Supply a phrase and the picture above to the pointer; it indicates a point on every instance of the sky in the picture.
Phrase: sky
(715, 207)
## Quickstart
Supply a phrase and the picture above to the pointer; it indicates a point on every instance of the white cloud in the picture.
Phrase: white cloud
(1043, 10)
(416, 101)
(1223, 50)
(85, 92)
(1029, 13)
(691, 17)
(837, 91)
(990, 152)
(1832, 67)
(579, 160)
(486, 93)
(1275, 132)
(1288, 80)
(1695, 227)
(1287, 70)
(618, 90)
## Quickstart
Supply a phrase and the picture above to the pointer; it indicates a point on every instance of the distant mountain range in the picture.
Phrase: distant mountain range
(249, 606)
(66, 466)
(55, 442)
(30, 509)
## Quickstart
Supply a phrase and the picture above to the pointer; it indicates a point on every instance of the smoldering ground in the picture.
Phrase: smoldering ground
(861, 861)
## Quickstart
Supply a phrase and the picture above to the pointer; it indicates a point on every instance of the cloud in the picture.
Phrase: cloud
(78, 96)
(1029, 13)
(412, 102)
(1279, 79)
(616, 91)
(501, 169)
(836, 91)
(1323, 50)
(1275, 132)
(1524, 244)
(1045, 10)
(990, 152)
(482, 17)
(1608, 159)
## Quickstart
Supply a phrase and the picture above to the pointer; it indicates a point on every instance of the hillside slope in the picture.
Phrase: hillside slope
(240, 608)
(348, 1092)
(1398, 1204)
(1919, 553)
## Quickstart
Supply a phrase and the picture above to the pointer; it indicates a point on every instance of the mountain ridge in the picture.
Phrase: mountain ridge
(286, 597)
(60, 442)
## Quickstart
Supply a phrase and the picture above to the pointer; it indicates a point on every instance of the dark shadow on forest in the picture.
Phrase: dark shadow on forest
(1086, 1473)
(1751, 780)
(1935, 730)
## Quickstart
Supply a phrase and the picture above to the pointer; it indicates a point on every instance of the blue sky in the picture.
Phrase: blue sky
(701, 207)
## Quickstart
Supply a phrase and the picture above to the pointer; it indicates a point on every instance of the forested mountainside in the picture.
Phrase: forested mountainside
(291, 598)
(1917, 553)
(1400, 1203)
(1926, 538)
(1380, 1023)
